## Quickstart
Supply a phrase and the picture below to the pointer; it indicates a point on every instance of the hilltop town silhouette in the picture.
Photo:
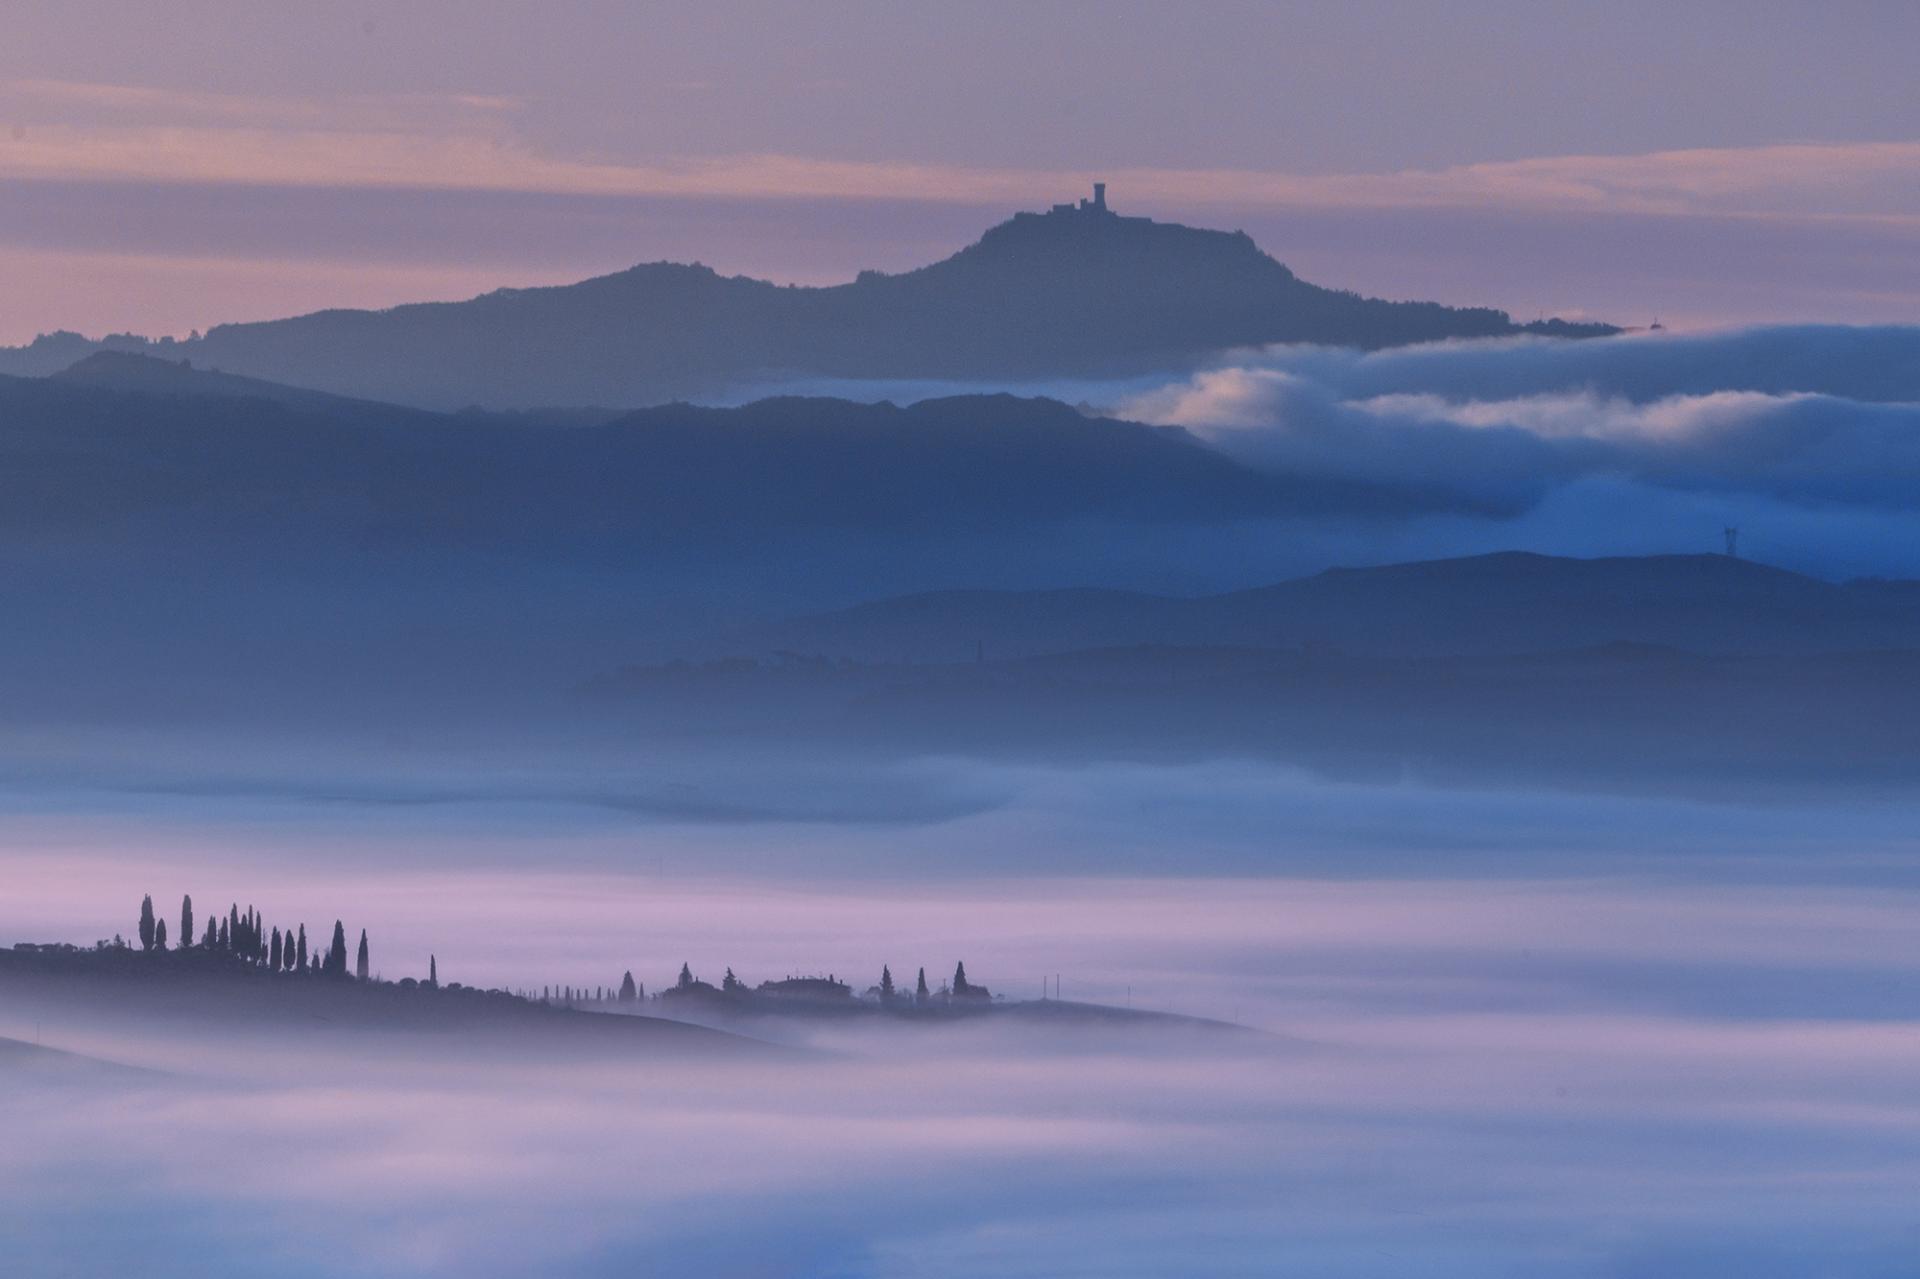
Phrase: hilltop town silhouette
(1078, 290)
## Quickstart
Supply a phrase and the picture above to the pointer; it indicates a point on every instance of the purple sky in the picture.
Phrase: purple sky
(166, 168)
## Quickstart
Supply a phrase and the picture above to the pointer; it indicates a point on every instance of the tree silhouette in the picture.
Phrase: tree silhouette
(212, 940)
(920, 989)
(146, 922)
(433, 970)
(225, 940)
(627, 992)
(273, 952)
(160, 935)
(336, 965)
(360, 960)
(960, 979)
(886, 984)
(300, 949)
(686, 976)
(186, 921)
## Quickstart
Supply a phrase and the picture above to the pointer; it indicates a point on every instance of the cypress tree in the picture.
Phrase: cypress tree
(920, 991)
(273, 952)
(186, 921)
(160, 935)
(686, 976)
(433, 970)
(212, 940)
(627, 993)
(146, 922)
(225, 940)
(300, 954)
(729, 983)
(360, 960)
(959, 979)
(336, 963)
(886, 984)
(230, 934)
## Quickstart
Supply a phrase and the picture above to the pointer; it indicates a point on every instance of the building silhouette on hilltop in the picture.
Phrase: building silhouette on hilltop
(1096, 207)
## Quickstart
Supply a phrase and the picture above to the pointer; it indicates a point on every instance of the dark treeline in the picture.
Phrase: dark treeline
(831, 989)
(814, 992)
(245, 937)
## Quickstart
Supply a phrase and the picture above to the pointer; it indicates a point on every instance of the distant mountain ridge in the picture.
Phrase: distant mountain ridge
(1507, 603)
(1078, 291)
(119, 435)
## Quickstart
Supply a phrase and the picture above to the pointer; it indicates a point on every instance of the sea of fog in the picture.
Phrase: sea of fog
(1491, 1033)
(1498, 1034)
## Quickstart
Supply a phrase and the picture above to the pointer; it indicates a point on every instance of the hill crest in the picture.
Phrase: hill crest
(1077, 291)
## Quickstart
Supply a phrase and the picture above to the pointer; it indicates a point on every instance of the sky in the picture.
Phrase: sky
(168, 168)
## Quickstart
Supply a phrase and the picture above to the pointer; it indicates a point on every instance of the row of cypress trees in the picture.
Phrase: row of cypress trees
(247, 937)
(960, 987)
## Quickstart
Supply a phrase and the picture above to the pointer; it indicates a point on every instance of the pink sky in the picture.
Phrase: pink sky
(232, 162)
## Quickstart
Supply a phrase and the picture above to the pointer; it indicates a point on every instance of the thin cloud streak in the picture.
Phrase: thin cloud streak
(128, 133)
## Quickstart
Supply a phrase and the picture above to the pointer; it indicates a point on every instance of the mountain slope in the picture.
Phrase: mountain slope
(1078, 291)
(111, 370)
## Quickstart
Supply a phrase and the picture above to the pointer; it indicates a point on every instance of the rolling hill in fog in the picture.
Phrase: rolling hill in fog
(1634, 718)
(1490, 605)
(1078, 291)
(121, 439)
(189, 538)
(199, 546)
(1663, 672)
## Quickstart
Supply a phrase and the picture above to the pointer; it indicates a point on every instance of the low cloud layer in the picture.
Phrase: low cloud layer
(1546, 1035)
(1575, 1077)
(1808, 436)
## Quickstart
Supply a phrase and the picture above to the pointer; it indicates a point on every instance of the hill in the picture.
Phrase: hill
(126, 437)
(207, 541)
(1506, 603)
(111, 370)
(1634, 718)
(1078, 291)
(191, 992)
